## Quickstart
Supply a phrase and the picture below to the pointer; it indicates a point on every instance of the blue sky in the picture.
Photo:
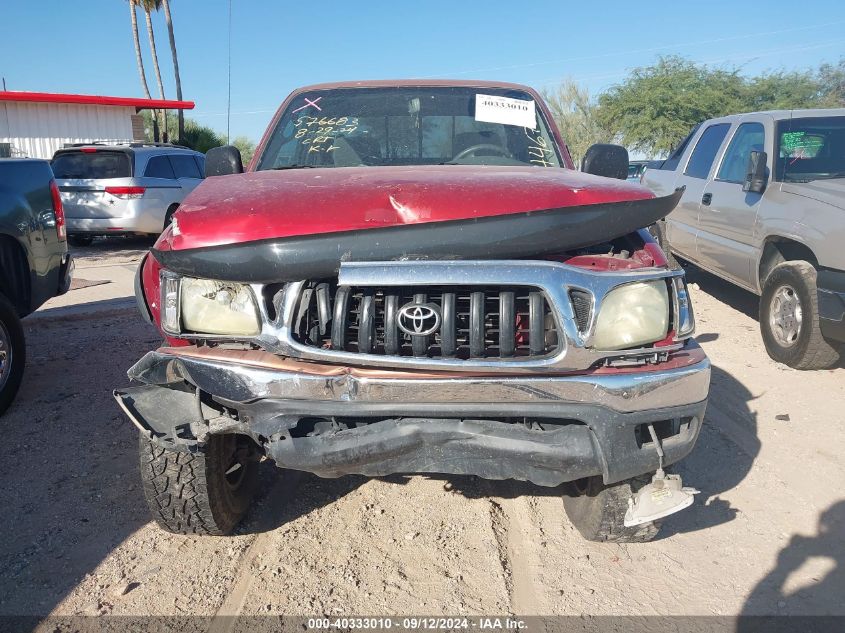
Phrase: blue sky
(86, 47)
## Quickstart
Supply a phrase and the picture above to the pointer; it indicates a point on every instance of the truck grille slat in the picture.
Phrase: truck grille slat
(391, 332)
(536, 317)
(507, 320)
(338, 339)
(472, 322)
(419, 344)
(366, 323)
(448, 342)
(476, 325)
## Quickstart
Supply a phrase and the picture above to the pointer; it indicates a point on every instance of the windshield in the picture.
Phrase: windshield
(811, 148)
(346, 127)
(90, 164)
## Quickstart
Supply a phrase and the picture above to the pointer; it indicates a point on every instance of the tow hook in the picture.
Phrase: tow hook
(665, 495)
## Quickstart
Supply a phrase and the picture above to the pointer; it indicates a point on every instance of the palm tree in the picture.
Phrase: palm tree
(169, 20)
(138, 58)
(149, 6)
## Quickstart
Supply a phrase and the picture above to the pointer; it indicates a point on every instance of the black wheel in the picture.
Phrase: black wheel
(598, 511)
(789, 318)
(200, 493)
(80, 240)
(168, 217)
(12, 353)
(658, 232)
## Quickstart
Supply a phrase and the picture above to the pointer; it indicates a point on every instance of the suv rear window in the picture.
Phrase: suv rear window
(91, 165)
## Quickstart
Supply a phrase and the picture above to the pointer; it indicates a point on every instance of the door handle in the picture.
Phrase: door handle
(707, 198)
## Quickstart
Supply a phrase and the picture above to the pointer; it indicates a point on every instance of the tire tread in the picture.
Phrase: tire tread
(818, 353)
(176, 487)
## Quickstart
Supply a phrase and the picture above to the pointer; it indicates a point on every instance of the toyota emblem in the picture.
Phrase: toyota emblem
(419, 319)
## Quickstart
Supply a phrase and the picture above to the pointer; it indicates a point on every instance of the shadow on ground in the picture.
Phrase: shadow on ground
(71, 492)
(823, 594)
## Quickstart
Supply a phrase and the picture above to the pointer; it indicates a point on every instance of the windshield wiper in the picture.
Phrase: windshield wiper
(294, 166)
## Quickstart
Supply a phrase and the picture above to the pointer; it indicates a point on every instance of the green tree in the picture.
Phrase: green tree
(832, 79)
(655, 107)
(201, 137)
(246, 148)
(576, 115)
(197, 136)
(783, 91)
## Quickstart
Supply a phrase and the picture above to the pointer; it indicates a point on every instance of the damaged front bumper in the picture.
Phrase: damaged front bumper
(334, 420)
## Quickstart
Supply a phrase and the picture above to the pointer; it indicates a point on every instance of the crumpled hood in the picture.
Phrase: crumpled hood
(301, 202)
(830, 192)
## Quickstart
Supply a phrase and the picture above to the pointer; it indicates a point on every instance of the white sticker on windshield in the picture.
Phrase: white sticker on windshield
(493, 109)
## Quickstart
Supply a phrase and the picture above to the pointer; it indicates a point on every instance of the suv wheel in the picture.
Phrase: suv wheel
(12, 353)
(598, 511)
(789, 318)
(200, 493)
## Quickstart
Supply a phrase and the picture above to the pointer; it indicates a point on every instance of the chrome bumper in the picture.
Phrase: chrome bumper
(589, 424)
(346, 391)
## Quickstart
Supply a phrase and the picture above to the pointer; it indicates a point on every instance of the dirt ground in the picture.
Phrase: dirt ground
(765, 536)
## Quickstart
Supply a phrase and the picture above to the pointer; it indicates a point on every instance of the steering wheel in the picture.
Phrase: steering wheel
(472, 149)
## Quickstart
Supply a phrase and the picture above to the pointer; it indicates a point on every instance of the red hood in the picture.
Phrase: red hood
(276, 204)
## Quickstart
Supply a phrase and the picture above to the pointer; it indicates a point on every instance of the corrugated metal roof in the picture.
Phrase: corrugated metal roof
(98, 100)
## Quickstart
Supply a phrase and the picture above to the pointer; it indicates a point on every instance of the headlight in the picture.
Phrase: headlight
(633, 315)
(206, 306)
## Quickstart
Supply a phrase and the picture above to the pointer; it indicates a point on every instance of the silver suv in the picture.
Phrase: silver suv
(132, 188)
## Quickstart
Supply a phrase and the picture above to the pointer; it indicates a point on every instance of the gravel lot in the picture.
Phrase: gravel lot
(765, 536)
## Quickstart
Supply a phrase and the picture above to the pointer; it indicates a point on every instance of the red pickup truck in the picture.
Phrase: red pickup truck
(411, 277)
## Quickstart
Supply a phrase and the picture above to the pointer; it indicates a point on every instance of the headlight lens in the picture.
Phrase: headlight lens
(633, 315)
(218, 307)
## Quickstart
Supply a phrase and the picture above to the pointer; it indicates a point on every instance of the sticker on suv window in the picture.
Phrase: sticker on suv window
(504, 110)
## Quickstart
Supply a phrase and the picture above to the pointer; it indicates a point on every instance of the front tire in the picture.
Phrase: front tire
(598, 511)
(658, 232)
(789, 318)
(12, 353)
(200, 493)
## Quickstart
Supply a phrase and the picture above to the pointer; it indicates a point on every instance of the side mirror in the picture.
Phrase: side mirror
(755, 173)
(603, 159)
(221, 161)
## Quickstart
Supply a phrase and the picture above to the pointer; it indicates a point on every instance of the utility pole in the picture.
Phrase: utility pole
(229, 100)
